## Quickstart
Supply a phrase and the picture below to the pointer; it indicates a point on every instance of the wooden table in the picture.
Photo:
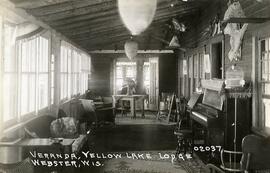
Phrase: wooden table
(132, 99)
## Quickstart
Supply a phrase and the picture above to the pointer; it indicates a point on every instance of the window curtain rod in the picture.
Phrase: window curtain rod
(39, 31)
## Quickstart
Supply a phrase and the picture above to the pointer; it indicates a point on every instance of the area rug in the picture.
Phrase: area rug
(156, 162)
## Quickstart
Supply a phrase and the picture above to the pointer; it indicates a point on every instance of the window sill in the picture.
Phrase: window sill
(16, 127)
(260, 132)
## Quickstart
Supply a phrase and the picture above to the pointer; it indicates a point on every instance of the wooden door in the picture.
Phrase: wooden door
(154, 84)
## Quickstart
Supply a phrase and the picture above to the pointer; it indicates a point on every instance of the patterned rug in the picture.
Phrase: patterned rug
(154, 162)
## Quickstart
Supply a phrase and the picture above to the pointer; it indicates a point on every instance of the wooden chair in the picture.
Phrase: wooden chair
(255, 156)
(164, 107)
(210, 168)
(183, 130)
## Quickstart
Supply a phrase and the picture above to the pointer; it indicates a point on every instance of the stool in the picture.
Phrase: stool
(184, 141)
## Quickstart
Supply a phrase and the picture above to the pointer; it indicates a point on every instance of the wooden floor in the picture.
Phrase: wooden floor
(132, 138)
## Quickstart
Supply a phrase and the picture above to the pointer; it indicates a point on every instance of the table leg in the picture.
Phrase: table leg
(133, 108)
(143, 108)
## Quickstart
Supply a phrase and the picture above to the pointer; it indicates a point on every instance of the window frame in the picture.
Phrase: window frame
(75, 86)
(124, 71)
(35, 45)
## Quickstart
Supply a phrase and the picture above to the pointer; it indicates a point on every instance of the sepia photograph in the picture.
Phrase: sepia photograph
(134, 86)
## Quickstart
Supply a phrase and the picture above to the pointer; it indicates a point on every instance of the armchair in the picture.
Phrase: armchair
(98, 113)
(255, 155)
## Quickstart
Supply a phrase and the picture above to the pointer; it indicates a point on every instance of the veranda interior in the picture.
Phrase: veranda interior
(56, 53)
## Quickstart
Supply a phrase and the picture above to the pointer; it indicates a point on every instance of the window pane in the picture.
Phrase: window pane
(9, 100)
(195, 66)
(9, 48)
(190, 65)
(266, 89)
(266, 112)
(43, 91)
(24, 94)
(201, 66)
(264, 67)
(119, 72)
(32, 93)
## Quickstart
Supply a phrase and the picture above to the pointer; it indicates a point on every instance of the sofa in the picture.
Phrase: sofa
(41, 128)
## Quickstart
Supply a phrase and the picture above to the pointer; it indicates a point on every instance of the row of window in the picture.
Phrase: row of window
(75, 67)
(191, 71)
(28, 85)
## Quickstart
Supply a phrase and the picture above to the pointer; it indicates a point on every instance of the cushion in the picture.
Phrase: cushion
(65, 127)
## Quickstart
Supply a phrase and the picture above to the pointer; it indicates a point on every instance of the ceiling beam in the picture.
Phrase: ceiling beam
(104, 39)
(67, 6)
(29, 4)
(98, 34)
(116, 18)
(92, 36)
(84, 13)
(101, 29)
(95, 13)
(92, 23)
(123, 51)
(89, 16)
(11, 7)
(102, 44)
(79, 12)
(71, 5)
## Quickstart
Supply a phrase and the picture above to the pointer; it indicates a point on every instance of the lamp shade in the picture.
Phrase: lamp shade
(137, 15)
(131, 48)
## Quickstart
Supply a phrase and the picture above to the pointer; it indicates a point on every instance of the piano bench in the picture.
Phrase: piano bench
(184, 141)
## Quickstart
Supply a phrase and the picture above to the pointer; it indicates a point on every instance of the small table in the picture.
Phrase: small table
(132, 99)
(40, 142)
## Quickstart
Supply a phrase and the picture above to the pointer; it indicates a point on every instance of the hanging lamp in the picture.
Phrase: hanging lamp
(131, 48)
(137, 15)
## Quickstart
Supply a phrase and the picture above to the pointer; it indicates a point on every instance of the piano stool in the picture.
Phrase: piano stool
(184, 141)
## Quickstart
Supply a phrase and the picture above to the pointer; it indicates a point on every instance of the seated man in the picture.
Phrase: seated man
(129, 87)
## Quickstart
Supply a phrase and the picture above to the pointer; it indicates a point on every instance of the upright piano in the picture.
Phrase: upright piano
(215, 112)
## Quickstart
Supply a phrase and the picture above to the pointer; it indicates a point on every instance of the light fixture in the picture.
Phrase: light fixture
(131, 48)
(137, 15)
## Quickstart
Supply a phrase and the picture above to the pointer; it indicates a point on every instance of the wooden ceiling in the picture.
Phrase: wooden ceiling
(96, 24)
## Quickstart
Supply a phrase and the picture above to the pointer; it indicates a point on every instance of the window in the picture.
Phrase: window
(85, 71)
(25, 75)
(195, 72)
(264, 83)
(201, 66)
(34, 74)
(74, 71)
(190, 75)
(64, 71)
(43, 73)
(52, 78)
(10, 73)
(123, 71)
(146, 76)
